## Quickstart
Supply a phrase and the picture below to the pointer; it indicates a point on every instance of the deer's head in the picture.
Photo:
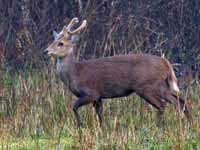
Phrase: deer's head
(65, 40)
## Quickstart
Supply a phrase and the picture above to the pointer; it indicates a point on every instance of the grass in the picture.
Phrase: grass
(35, 113)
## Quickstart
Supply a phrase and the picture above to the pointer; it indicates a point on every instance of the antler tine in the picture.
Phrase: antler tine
(72, 22)
(83, 25)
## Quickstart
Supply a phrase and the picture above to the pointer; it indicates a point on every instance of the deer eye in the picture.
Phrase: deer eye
(60, 44)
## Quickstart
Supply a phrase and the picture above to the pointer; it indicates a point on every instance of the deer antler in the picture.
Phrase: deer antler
(83, 25)
(67, 29)
(71, 23)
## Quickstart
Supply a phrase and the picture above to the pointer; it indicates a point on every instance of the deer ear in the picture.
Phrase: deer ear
(75, 38)
(55, 35)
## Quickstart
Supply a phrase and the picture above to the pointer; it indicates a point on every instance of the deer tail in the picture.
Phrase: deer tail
(172, 80)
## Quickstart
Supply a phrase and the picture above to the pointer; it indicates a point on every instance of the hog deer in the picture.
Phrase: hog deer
(151, 77)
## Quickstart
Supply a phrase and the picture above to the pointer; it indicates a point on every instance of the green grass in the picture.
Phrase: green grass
(35, 113)
(140, 139)
(38, 143)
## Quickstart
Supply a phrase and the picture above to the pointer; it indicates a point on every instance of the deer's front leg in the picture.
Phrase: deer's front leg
(99, 110)
(80, 102)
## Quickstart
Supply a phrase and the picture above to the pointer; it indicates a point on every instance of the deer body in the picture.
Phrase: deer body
(151, 77)
(113, 76)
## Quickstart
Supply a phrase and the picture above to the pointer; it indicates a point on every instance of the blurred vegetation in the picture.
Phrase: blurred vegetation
(35, 107)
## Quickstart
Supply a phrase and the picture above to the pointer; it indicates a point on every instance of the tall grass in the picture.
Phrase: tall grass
(35, 113)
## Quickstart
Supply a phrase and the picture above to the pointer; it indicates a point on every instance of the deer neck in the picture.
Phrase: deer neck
(66, 65)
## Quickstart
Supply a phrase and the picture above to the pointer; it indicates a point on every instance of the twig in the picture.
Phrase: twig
(180, 131)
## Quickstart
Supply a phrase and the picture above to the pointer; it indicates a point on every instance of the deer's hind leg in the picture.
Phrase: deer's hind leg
(183, 104)
(157, 102)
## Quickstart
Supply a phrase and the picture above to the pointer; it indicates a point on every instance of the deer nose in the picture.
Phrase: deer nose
(45, 52)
